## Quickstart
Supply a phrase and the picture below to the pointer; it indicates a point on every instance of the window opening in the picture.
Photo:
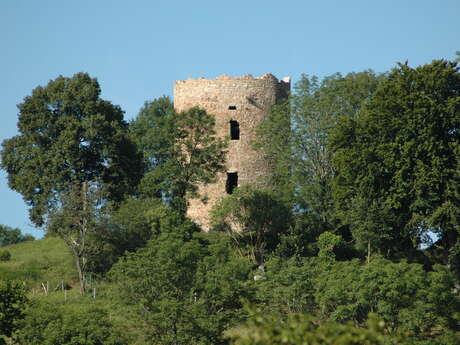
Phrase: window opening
(232, 182)
(232, 107)
(234, 130)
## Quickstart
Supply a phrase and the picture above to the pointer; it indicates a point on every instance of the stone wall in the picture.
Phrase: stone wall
(242, 99)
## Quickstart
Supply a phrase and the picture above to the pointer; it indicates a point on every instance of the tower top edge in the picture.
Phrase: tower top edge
(267, 76)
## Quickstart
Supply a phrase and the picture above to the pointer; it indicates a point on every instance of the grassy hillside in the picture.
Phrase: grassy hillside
(34, 262)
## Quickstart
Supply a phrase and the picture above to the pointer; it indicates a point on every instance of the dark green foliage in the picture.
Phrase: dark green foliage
(185, 289)
(12, 303)
(316, 108)
(301, 329)
(130, 227)
(71, 159)
(398, 162)
(197, 154)
(222, 282)
(153, 131)
(328, 243)
(181, 151)
(54, 324)
(300, 239)
(10, 235)
(274, 140)
(254, 218)
(406, 297)
(5, 255)
(69, 135)
(158, 281)
(77, 221)
(287, 286)
(294, 139)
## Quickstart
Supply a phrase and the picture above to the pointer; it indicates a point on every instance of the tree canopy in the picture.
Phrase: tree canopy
(353, 240)
(9, 235)
(68, 135)
(181, 151)
(72, 157)
(397, 162)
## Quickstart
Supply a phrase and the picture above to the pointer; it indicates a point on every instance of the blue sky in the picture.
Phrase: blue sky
(138, 48)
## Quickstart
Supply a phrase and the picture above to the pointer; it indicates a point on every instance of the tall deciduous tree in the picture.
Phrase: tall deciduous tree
(317, 107)
(295, 135)
(398, 161)
(153, 132)
(181, 149)
(70, 141)
(274, 139)
(10, 235)
(255, 219)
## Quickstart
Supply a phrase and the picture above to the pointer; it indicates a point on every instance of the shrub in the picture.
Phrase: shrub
(5, 255)
(300, 329)
(12, 303)
(53, 324)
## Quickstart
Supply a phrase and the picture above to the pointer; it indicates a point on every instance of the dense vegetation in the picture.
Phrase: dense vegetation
(355, 241)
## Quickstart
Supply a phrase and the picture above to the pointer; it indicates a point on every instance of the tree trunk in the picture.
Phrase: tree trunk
(81, 275)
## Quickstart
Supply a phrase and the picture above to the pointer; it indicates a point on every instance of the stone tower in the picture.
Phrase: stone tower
(239, 104)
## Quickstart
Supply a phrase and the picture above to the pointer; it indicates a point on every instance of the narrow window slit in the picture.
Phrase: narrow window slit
(232, 182)
(232, 107)
(234, 130)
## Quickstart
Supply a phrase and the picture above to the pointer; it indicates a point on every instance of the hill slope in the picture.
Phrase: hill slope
(34, 262)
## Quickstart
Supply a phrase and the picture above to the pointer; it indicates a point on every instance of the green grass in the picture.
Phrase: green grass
(41, 261)
(49, 260)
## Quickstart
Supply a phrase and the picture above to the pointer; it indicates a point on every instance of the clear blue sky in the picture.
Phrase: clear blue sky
(137, 49)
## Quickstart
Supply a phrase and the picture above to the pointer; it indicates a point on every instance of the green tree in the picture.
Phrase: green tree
(153, 130)
(403, 295)
(186, 286)
(71, 143)
(299, 329)
(274, 140)
(134, 223)
(317, 107)
(158, 281)
(77, 220)
(54, 324)
(197, 155)
(255, 220)
(223, 280)
(327, 245)
(287, 286)
(294, 139)
(397, 162)
(5, 255)
(182, 151)
(13, 301)
(10, 235)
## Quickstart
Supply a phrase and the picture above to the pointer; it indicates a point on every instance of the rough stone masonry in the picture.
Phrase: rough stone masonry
(239, 104)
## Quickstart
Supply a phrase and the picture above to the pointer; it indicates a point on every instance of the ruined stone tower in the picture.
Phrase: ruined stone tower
(239, 104)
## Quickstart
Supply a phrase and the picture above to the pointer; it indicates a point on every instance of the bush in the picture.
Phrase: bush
(403, 295)
(10, 235)
(53, 324)
(300, 329)
(12, 303)
(254, 218)
(5, 255)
